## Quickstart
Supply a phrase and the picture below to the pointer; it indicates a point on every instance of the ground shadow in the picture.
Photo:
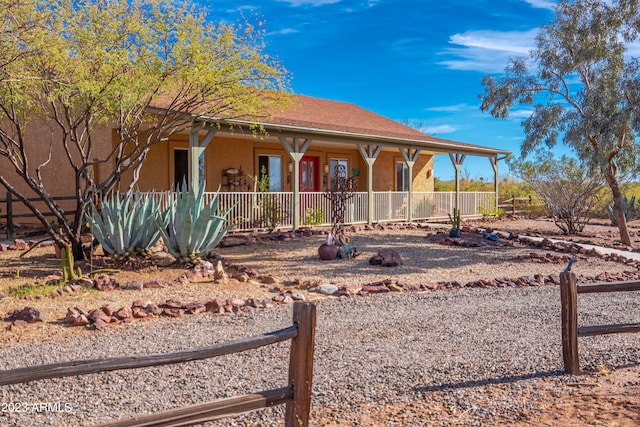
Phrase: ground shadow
(488, 381)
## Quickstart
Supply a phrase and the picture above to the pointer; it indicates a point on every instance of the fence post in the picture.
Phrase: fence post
(9, 216)
(568, 299)
(301, 365)
(513, 205)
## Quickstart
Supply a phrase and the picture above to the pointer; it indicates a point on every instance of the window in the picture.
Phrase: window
(270, 167)
(344, 167)
(402, 176)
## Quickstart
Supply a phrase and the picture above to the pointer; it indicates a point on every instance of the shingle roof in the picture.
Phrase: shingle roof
(323, 114)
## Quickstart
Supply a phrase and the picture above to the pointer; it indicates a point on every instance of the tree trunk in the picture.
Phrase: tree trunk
(612, 179)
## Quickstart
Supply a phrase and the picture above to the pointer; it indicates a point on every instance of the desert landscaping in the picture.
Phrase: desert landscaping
(463, 332)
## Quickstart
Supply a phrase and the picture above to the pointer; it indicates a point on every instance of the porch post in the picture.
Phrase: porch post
(369, 153)
(457, 160)
(494, 164)
(410, 155)
(196, 149)
(296, 150)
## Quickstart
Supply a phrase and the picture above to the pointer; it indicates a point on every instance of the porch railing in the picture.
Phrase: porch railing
(251, 210)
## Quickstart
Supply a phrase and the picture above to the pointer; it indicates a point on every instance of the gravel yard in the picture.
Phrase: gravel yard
(462, 357)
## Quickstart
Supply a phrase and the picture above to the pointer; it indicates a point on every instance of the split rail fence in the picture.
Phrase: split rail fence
(569, 290)
(296, 395)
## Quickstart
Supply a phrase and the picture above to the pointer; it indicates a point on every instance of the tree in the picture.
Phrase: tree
(142, 67)
(585, 87)
(568, 190)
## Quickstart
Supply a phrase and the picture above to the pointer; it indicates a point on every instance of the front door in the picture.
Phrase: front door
(309, 173)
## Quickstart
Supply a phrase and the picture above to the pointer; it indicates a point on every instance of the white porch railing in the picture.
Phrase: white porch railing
(249, 210)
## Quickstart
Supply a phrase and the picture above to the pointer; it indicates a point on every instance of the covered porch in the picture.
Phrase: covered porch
(259, 210)
(297, 149)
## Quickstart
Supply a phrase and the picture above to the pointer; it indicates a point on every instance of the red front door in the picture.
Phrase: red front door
(309, 173)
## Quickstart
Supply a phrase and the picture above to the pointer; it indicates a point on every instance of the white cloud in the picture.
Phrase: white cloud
(438, 130)
(542, 4)
(524, 113)
(487, 51)
(283, 32)
(313, 3)
(451, 108)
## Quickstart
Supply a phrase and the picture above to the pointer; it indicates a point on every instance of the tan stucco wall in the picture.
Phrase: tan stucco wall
(42, 140)
(384, 171)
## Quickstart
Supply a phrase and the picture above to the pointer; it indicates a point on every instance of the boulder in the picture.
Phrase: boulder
(386, 258)
(27, 314)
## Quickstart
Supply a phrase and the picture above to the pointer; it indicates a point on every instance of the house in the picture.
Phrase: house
(299, 150)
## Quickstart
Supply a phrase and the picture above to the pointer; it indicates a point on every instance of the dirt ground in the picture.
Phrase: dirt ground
(610, 397)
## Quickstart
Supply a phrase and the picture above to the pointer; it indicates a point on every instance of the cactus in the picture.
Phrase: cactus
(628, 207)
(455, 219)
(193, 228)
(126, 224)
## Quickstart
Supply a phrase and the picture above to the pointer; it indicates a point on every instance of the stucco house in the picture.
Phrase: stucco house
(299, 149)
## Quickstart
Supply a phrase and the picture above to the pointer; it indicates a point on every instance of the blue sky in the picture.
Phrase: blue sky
(421, 61)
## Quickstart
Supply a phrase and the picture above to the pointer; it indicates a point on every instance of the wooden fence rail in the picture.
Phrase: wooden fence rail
(569, 291)
(10, 215)
(296, 395)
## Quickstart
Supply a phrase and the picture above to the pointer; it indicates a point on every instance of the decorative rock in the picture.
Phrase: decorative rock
(100, 324)
(139, 313)
(27, 314)
(19, 323)
(103, 282)
(173, 312)
(267, 280)
(99, 316)
(298, 297)
(375, 289)
(123, 313)
(133, 286)
(2, 295)
(162, 259)
(154, 284)
(326, 289)
(219, 273)
(20, 245)
(386, 258)
(214, 306)
(86, 282)
(394, 288)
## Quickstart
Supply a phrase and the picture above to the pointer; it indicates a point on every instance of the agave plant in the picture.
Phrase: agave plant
(126, 224)
(193, 227)
(628, 207)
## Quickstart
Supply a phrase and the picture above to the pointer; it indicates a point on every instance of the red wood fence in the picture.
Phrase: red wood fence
(296, 395)
(569, 291)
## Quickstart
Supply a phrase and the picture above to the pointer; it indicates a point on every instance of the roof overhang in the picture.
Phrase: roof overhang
(271, 129)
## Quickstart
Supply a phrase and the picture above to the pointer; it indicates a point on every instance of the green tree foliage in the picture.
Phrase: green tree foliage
(585, 88)
(141, 67)
(568, 190)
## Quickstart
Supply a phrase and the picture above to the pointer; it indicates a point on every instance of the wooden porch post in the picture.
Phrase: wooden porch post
(369, 154)
(196, 149)
(296, 151)
(410, 155)
(457, 160)
(494, 164)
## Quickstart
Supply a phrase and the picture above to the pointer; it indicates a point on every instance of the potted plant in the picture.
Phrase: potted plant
(455, 223)
(328, 250)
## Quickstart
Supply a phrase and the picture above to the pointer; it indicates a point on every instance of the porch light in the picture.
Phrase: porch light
(325, 169)
(290, 167)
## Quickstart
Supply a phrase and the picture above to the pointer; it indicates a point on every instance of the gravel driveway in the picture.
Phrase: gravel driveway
(470, 356)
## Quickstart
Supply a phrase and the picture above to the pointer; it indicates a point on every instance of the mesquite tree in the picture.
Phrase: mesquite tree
(143, 68)
(585, 88)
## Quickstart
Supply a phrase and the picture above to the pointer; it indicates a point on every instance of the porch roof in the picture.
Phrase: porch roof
(335, 121)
